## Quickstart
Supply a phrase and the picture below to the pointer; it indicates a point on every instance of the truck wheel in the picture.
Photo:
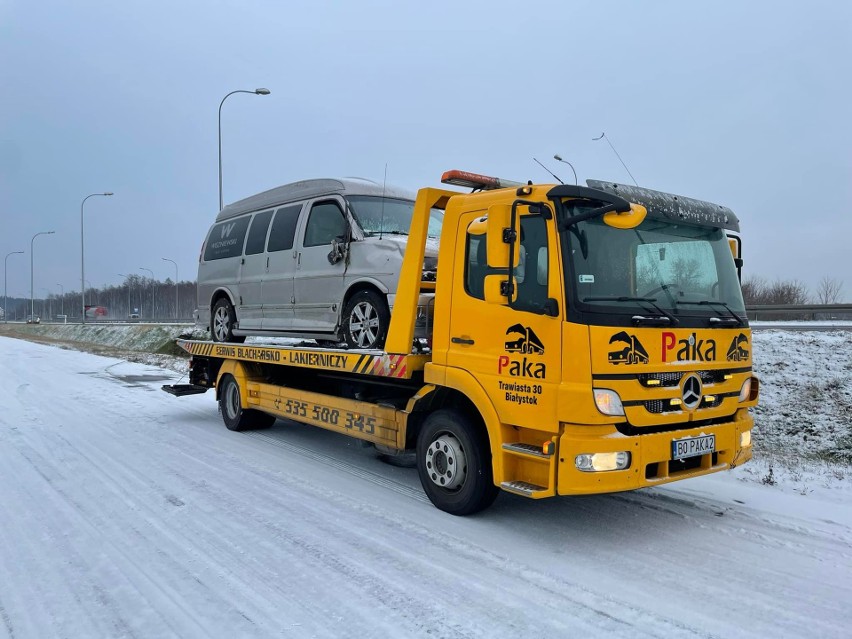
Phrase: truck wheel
(233, 414)
(222, 322)
(365, 320)
(454, 464)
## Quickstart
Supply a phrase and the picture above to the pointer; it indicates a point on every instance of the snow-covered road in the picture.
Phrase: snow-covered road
(127, 512)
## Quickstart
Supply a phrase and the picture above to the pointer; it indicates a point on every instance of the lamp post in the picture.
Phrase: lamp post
(142, 268)
(260, 91)
(82, 254)
(5, 289)
(176, 284)
(32, 296)
(558, 158)
(62, 299)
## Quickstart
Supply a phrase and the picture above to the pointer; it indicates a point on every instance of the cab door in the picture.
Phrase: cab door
(513, 349)
(319, 285)
(277, 288)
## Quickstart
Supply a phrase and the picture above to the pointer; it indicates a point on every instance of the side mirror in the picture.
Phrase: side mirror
(501, 236)
(496, 289)
(627, 220)
(337, 252)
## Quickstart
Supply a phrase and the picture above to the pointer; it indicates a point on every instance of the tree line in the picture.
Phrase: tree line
(137, 295)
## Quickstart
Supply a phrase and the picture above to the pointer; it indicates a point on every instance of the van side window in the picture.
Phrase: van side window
(324, 224)
(284, 228)
(226, 239)
(257, 233)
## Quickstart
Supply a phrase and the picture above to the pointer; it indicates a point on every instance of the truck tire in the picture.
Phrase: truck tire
(222, 322)
(233, 414)
(454, 463)
(365, 320)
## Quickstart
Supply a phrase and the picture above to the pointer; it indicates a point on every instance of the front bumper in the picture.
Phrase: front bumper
(651, 457)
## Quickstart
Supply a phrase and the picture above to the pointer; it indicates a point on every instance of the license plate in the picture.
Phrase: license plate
(693, 446)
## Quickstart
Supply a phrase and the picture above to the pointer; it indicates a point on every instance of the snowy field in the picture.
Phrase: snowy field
(130, 513)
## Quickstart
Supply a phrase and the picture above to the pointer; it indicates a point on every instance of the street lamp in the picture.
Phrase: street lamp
(142, 268)
(257, 92)
(62, 312)
(5, 290)
(82, 254)
(176, 284)
(558, 158)
(32, 297)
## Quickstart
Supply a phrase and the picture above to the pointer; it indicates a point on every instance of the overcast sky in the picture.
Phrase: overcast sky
(746, 104)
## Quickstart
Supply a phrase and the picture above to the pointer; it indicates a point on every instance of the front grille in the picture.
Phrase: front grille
(668, 380)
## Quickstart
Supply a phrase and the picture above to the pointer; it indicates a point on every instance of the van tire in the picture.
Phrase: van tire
(454, 463)
(222, 321)
(233, 414)
(365, 320)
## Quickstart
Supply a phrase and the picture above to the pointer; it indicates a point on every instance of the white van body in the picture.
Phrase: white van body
(288, 260)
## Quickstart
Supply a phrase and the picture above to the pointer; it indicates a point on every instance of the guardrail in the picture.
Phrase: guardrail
(813, 312)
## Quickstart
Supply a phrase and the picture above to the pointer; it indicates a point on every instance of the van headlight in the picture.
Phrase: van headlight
(608, 402)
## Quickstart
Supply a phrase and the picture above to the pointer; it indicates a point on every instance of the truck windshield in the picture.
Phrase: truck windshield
(388, 215)
(681, 271)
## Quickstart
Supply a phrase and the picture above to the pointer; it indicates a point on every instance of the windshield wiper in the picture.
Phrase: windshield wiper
(639, 319)
(375, 233)
(716, 320)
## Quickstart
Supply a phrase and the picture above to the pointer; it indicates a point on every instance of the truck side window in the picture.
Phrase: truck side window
(476, 266)
(257, 233)
(531, 273)
(325, 223)
(284, 228)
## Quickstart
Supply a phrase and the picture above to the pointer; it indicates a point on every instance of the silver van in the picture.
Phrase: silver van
(317, 259)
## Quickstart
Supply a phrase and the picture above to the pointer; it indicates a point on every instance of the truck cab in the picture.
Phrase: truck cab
(605, 323)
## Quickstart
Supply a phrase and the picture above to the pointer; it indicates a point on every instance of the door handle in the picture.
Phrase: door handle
(462, 340)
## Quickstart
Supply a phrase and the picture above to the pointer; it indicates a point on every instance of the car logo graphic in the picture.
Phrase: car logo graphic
(691, 391)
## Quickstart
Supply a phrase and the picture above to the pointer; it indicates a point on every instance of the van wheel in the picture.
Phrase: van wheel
(233, 415)
(222, 322)
(365, 320)
(454, 464)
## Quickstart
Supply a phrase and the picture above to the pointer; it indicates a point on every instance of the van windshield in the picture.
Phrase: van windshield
(378, 215)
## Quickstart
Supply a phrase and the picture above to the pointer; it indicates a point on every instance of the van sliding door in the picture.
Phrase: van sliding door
(277, 288)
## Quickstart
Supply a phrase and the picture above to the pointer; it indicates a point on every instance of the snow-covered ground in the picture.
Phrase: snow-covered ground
(130, 513)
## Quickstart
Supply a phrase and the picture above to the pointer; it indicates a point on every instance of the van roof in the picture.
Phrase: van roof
(305, 189)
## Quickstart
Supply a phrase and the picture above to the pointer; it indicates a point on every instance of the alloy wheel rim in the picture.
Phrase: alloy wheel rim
(364, 324)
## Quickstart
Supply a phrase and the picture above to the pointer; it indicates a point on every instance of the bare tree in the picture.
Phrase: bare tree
(828, 291)
(755, 291)
(789, 292)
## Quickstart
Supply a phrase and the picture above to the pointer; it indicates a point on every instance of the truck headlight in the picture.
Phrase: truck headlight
(745, 439)
(608, 402)
(597, 462)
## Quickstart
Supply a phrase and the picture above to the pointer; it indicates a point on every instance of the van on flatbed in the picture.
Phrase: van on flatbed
(317, 259)
(584, 340)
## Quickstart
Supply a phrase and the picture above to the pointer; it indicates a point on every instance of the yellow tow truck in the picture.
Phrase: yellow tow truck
(580, 340)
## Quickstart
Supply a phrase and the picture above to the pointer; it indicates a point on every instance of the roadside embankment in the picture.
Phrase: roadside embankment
(106, 338)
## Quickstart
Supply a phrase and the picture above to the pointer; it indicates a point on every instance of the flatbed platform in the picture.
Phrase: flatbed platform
(357, 361)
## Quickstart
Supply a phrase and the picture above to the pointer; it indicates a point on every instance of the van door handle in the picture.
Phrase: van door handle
(462, 340)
